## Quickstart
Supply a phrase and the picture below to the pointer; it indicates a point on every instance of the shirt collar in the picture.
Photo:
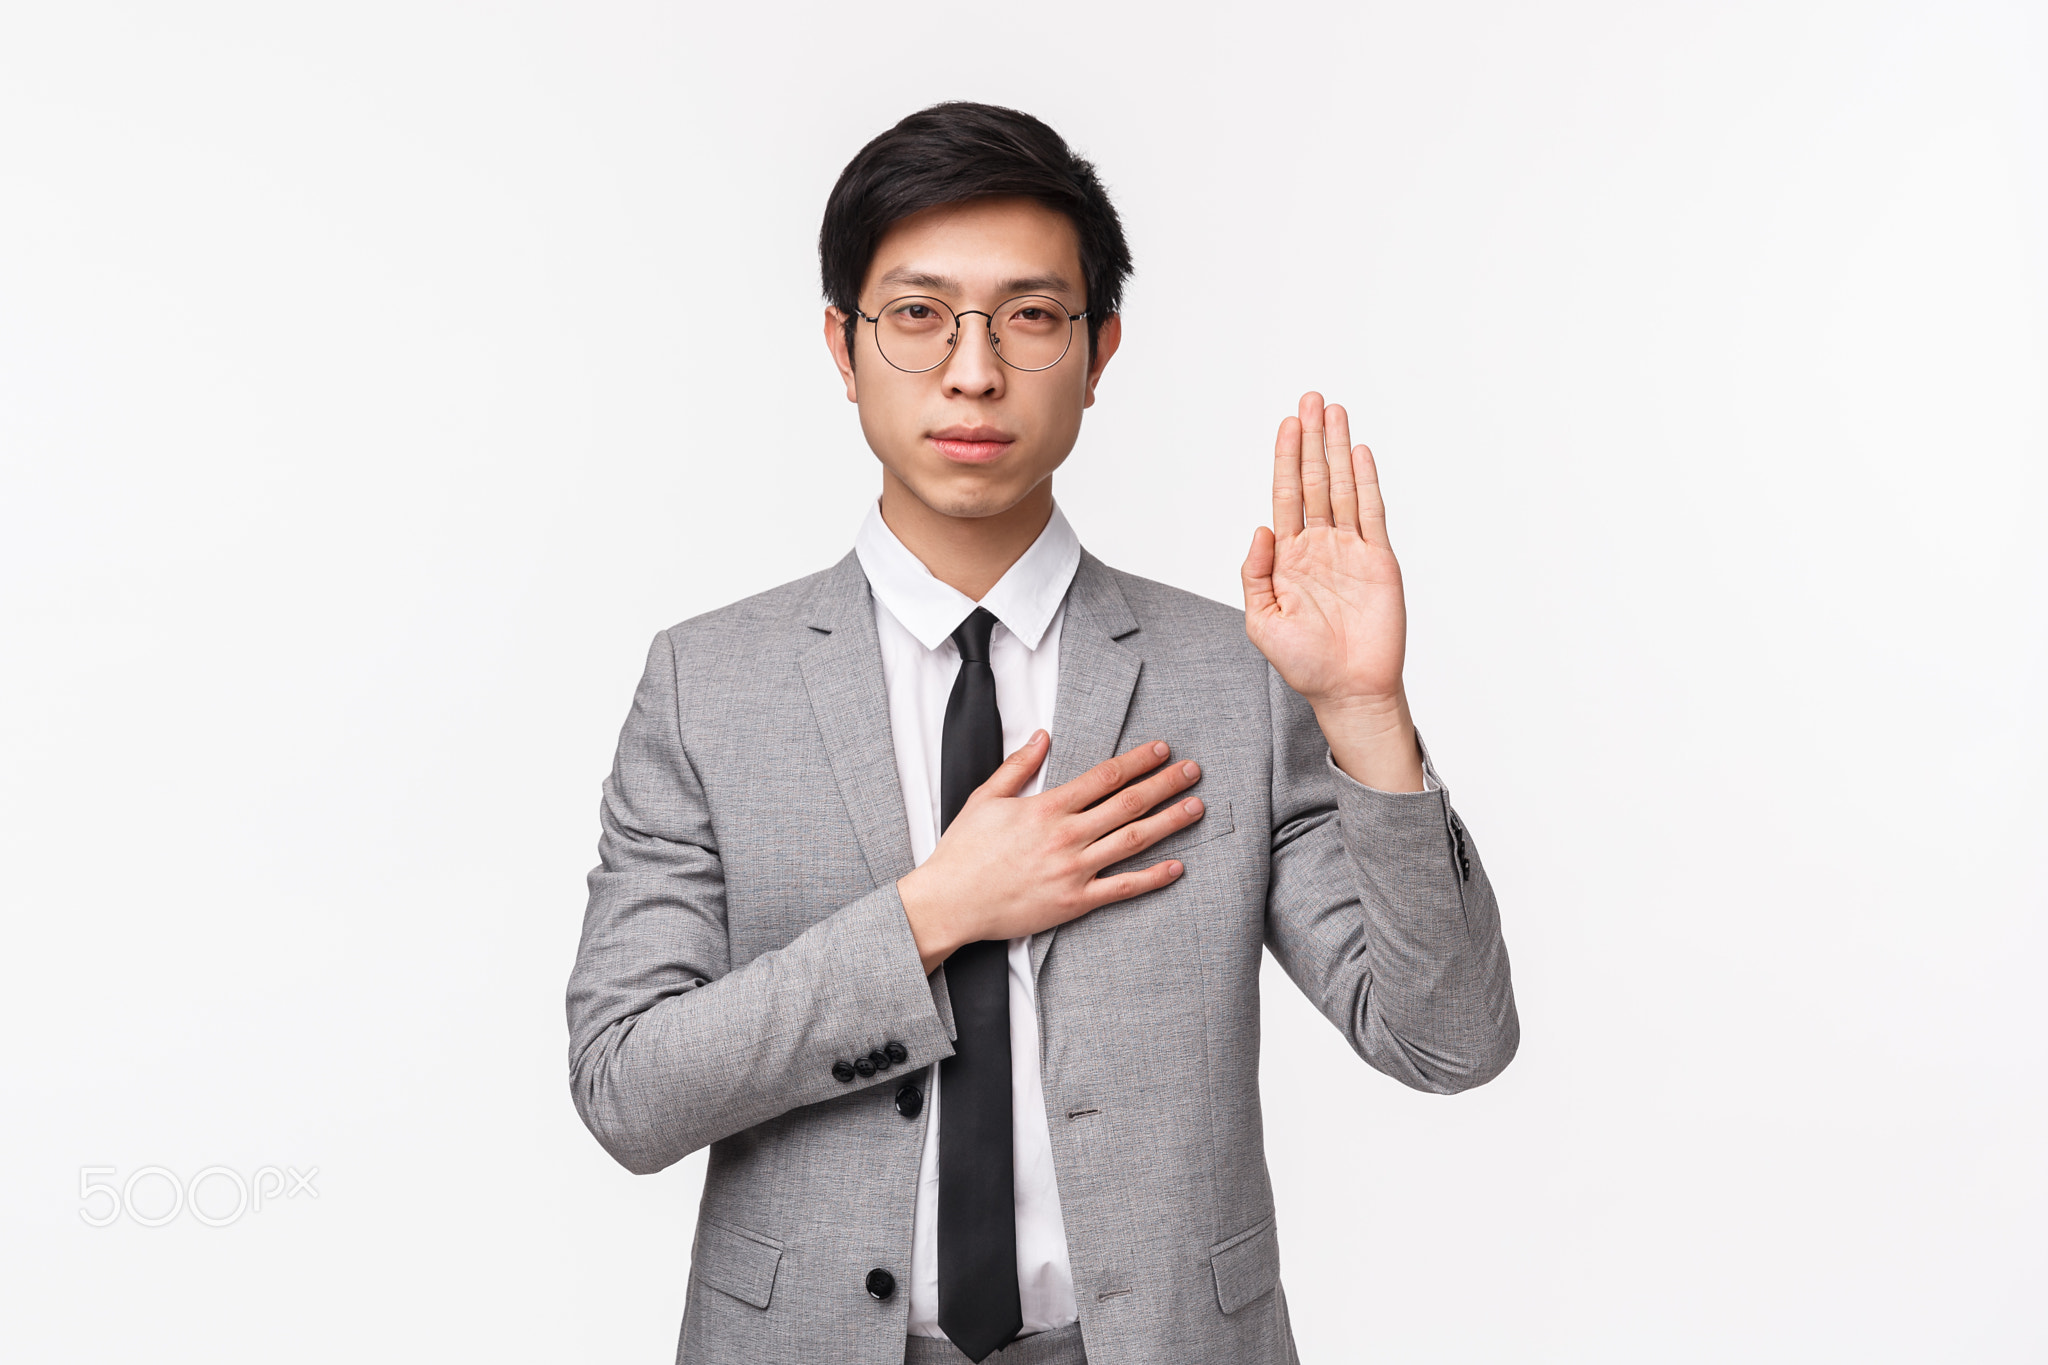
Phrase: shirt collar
(1023, 599)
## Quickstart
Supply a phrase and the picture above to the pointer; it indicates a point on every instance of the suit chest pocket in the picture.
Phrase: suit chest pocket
(1216, 822)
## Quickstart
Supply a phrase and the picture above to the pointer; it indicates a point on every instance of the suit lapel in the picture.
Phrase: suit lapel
(1097, 677)
(843, 674)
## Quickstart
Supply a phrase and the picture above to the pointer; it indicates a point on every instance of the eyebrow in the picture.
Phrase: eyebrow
(946, 284)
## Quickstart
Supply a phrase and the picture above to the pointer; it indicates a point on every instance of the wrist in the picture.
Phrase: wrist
(1364, 715)
(931, 925)
(1373, 740)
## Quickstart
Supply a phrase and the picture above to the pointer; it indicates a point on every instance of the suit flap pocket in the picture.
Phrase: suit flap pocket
(1214, 824)
(1246, 1266)
(739, 1262)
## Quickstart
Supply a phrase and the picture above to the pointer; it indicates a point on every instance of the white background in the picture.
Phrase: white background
(376, 379)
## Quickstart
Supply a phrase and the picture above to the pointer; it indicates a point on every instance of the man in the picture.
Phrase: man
(973, 1038)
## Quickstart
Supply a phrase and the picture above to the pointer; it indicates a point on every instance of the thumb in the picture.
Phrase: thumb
(1014, 772)
(1258, 574)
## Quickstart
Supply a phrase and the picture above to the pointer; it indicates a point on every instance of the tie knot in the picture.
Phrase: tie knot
(973, 634)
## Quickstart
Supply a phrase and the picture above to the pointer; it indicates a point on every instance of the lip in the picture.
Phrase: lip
(971, 444)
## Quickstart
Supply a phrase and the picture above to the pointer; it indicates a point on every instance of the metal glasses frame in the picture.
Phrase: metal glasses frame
(994, 343)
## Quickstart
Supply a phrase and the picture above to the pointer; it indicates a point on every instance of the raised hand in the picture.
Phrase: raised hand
(1012, 865)
(1323, 600)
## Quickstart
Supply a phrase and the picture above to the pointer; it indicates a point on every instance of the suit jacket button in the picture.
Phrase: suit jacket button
(881, 1284)
(880, 1059)
(909, 1101)
(842, 1071)
(898, 1053)
(864, 1066)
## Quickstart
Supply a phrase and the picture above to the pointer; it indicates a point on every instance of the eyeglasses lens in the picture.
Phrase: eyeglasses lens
(918, 333)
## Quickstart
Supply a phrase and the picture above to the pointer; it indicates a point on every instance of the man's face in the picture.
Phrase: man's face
(973, 436)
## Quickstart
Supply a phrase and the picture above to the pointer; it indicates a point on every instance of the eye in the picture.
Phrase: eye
(1041, 318)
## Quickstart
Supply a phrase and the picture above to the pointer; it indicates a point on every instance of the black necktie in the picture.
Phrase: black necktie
(978, 1304)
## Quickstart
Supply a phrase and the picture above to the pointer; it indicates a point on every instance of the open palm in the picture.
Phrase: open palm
(1322, 589)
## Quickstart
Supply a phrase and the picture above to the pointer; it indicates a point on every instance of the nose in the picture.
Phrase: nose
(972, 370)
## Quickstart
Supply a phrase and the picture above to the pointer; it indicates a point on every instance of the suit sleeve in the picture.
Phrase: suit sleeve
(670, 1047)
(1380, 910)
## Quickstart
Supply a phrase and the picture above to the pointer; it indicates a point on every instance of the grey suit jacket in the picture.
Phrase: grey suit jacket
(744, 933)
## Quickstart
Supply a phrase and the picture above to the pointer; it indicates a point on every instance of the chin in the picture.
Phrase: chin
(970, 505)
(967, 498)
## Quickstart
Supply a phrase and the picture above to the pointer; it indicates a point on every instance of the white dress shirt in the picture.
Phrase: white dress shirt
(915, 616)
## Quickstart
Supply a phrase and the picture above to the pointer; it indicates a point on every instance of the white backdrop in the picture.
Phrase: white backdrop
(376, 379)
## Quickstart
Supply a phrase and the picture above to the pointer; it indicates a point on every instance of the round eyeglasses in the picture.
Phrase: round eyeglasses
(1030, 332)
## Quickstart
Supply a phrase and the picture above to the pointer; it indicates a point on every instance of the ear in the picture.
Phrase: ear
(1106, 341)
(835, 342)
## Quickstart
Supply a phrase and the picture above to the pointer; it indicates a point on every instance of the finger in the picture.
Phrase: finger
(1107, 776)
(1372, 509)
(1137, 798)
(1013, 774)
(1258, 575)
(1287, 479)
(1140, 835)
(1315, 463)
(1343, 481)
(1124, 885)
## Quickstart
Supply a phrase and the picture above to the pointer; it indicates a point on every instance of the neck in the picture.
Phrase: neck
(968, 554)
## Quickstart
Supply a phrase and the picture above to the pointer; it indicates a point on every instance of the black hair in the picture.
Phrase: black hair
(958, 151)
